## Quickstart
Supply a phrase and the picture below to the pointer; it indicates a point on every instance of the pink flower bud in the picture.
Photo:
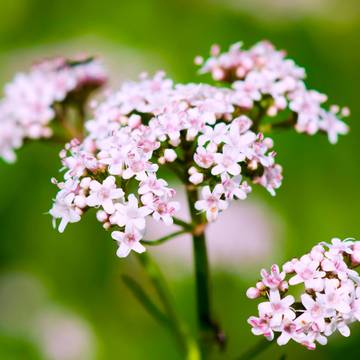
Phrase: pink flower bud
(260, 286)
(134, 121)
(355, 256)
(196, 178)
(170, 155)
(288, 267)
(101, 215)
(253, 293)
(218, 74)
(215, 50)
(85, 182)
(198, 60)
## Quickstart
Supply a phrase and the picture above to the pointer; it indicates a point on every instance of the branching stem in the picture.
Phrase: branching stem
(164, 238)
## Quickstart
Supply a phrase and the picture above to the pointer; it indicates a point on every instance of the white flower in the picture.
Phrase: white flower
(332, 125)
(277, 308)
(211, 202)
(227, 161)
(128, 240)
(288, 331)
(203, 157)
(153, 185)
(315, 312)
(307, 272)
(130, 214)
(233, 188)
(334, 298)
(164, 210)
(213, 136)
(64, 209)
(104, 194)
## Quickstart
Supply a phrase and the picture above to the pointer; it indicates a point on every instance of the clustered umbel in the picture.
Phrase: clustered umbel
(150, 124)
(207, 135)
(263, 74)
(329, 302)
(31, 100)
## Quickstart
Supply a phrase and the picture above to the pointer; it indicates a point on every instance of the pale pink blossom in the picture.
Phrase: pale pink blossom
(211, 202)
(128, 240)
(104, 194)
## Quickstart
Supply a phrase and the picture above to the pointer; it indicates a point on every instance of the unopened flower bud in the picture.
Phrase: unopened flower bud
(199, 60)
(260, 286)
(253, 293)
(196, 178)
(134, 121)
(101, 215)
(170, 155)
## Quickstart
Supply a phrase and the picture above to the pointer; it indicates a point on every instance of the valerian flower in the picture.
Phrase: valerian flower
(208, 136)
(263, 73)
(33, 100)
(330, 300)
(154, 128)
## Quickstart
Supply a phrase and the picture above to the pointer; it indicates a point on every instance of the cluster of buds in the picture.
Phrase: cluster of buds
(262, 75)
(30, 100)
(329, 302)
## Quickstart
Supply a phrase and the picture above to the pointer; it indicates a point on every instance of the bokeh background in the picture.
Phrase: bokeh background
(61, 296)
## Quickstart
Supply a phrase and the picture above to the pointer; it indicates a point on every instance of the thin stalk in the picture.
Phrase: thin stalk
(145, 300)
(256, 350)
(164, 238)
(186, 343)
(208, 330)
(183, 224)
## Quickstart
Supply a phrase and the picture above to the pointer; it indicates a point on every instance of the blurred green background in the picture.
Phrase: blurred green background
(61, 296)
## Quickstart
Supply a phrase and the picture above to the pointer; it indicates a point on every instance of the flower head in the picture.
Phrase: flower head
(329, 303)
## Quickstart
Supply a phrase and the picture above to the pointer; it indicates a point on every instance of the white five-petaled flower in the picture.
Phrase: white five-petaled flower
(128, 240)
(104, 194)
(307, 272)
(315, 312)
(277, 308)
(130, 214)
(211, 202)
(227, 161)
(65, 209)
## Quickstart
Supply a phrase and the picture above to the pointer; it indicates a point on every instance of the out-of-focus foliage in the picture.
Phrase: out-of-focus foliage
(319, 198)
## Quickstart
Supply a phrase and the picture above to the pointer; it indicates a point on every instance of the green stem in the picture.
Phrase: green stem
(145, 300)
(208, 330)
(183, 224)
(164, 238)
(186, 343)
(257, 349)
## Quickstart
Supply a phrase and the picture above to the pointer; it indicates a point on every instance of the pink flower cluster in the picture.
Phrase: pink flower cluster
(207, 135)
(28, 105)
(263, 75)
(330, 300)
(190, 128)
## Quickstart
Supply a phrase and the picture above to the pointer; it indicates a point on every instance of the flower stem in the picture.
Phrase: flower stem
(186, 343)
(257, 349)
(164, 238)
(145, 300)
(209, 331)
